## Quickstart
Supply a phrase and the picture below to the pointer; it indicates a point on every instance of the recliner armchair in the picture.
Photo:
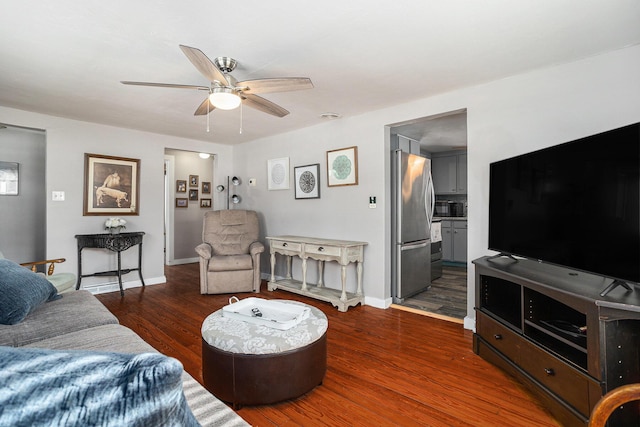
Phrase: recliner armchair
(230, 252)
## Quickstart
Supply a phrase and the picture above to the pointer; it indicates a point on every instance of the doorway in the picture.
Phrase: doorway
(443, 139)
(188, 194)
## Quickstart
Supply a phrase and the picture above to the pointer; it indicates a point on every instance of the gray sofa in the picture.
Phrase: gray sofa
(78, 321)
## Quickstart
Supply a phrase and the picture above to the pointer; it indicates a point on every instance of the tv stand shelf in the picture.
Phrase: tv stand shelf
(549, 327)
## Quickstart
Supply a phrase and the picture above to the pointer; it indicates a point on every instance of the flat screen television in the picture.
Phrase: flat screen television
(575, 205)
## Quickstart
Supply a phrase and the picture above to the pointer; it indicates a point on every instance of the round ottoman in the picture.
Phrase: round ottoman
(249, 364)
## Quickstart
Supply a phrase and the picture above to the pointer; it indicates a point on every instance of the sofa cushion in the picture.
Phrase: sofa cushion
(80, 388)
(77, 310)
(21, 292)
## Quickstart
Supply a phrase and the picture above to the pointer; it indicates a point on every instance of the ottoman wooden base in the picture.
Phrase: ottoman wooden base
(258, 379)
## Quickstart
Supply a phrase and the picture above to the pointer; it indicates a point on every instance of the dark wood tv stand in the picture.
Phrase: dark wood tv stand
(549, 327)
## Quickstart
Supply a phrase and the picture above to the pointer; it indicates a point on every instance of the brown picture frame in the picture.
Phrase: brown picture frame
(182, 202)
(205, 203)
(111, 185)
(206, 187)
(193, 180)
(193, 194)
(181, 186)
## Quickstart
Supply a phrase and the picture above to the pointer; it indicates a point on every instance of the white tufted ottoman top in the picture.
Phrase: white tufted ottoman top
(238, 336)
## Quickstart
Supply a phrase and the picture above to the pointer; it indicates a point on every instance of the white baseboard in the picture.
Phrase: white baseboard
(111, 286)
(183, 261)
(470, 323)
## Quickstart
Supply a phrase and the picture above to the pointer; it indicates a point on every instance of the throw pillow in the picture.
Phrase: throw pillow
(42, 387)
(21, 292)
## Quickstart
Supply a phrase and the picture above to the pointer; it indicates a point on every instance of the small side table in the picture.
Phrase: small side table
(115, 243)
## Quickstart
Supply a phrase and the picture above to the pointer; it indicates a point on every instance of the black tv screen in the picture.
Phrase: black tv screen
(575, 204)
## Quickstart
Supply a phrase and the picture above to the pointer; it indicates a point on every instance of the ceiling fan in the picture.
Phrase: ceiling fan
(225, 92)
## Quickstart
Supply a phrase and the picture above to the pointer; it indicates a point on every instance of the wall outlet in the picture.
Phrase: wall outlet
(57, 196)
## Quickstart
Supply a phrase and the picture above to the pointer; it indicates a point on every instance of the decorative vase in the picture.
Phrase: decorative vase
(114, 230)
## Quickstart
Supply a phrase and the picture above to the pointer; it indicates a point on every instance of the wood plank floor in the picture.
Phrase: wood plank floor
(447, 295)
(385, 367)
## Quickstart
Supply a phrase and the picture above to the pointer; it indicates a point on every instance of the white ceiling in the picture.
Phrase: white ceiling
(67, 57)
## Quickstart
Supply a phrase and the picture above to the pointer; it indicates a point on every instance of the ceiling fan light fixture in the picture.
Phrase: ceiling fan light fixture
(224, 98)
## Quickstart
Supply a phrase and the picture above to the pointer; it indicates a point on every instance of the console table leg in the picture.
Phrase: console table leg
(289, 259)
(273, 267)
(140, 263)
(343, 275)
(304, 274)
(359, 270)
(320, 274)
(120, 274)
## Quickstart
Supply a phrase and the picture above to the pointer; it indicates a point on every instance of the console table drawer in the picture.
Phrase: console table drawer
(322, 250)
(287, 246)
(499, 336)
(557, 376)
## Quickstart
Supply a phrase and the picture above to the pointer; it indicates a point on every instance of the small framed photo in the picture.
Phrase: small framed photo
(193, 180)
(193, 194)
(206, 187)
(342, 167)
(205, 203)
(278, 174)
(9, 178)
(181, 186)
(307, 179)
(182, 202)
(111, 185)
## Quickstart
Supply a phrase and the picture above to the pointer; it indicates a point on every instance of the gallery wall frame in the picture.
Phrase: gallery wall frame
(182, 202)
(9, 178)
(111, 185)
(193, 194)
(278, 174)
(205, 203)
(342, 166)
(307, 181)
(206, 187)
(181, 186)
(193, 180)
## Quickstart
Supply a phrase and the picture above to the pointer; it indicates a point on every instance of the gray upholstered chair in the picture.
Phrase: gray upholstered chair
(230, 252)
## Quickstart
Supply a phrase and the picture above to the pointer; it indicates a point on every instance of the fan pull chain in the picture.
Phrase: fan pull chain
(240, 117)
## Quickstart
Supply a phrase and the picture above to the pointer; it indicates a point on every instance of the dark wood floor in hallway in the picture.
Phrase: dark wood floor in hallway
(385, 367)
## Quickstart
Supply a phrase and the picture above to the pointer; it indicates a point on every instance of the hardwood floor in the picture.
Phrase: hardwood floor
(385, 367)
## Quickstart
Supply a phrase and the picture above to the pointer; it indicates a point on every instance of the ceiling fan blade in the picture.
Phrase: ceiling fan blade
(283, 84)
(204, 64)
(170, 85)
(254, 101)
(202, 109)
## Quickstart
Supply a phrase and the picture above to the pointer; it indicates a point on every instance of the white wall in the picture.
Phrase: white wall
(67, 141)
(505, 118)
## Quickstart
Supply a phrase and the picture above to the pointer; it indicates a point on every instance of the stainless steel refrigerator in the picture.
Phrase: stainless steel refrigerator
(413, 201)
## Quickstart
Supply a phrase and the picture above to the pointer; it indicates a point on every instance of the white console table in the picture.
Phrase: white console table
(343, 252)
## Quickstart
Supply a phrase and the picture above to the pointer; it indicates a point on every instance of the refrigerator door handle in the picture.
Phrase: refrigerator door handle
(411, 246)
(430, 199)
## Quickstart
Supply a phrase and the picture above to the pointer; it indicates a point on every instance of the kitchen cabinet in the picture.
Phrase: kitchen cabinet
(449, 173)
(454, 240)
